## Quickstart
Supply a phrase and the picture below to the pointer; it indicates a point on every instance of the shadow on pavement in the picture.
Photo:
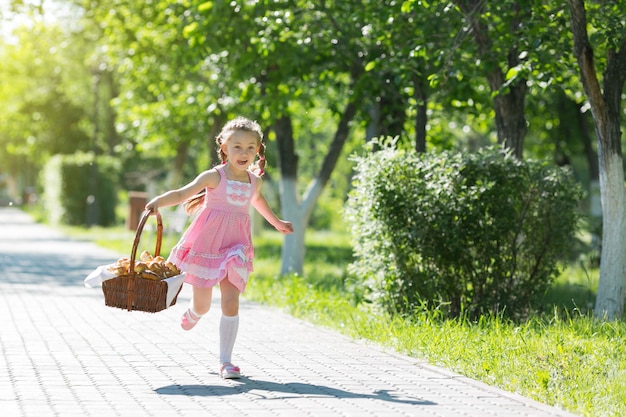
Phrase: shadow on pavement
(296, 389)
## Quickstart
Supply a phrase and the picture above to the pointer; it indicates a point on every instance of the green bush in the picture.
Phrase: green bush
(465, 233)
(79, 192)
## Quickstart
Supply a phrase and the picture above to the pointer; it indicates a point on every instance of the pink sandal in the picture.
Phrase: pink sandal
(189, 320)
(230, 371)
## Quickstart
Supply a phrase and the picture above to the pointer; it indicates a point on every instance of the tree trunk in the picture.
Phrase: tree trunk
(292, 253)
(508, 106)
(292, 259)
(510, 120)
(373, 126)
(605, 107)
(421, 118)
(287, 157)
(610, 297)
(292, 256)
(595, 197)
(590, 153)
(175, 175)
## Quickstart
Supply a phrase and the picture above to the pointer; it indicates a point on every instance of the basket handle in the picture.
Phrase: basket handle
(142, 222)
(133, 253)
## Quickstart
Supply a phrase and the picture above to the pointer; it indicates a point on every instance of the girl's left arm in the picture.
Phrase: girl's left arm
(260, 204)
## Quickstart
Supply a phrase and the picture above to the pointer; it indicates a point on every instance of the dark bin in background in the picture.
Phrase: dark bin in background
(136, 205)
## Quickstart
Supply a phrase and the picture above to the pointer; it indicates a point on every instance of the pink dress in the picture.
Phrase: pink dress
(218, 244)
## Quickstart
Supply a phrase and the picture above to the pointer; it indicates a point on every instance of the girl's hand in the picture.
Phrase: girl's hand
(152, 205)
(284, 227)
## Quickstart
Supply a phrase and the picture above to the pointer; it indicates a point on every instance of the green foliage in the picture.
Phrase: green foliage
(44, 89)
(325, 216)
(80, 189)
(466, 233)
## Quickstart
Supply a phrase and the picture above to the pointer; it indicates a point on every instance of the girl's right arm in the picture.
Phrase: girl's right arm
(207, 179)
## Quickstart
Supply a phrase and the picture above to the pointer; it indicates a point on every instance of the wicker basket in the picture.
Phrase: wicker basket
(132, 292)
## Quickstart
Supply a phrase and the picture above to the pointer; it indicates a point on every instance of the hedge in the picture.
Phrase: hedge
(467, 233)
(80, 189)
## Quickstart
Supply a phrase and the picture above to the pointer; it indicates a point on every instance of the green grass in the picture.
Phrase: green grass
(562, 357)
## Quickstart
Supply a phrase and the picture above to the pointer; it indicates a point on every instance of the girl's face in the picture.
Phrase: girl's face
(241, 148)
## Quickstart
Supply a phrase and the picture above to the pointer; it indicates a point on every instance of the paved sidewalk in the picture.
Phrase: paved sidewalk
(63, 353)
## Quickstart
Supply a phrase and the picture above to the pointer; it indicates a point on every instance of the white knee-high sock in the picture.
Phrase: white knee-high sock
(194, 311)
(229, 326)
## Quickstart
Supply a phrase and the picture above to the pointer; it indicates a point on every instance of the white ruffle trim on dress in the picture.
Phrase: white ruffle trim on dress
(209, 274)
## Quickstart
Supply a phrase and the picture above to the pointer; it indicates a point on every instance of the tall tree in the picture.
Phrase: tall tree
(498, 33)
(406, 56)
(605, 99)
(285, 53)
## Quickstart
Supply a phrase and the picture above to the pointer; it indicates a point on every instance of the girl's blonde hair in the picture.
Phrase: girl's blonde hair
(258, 167)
